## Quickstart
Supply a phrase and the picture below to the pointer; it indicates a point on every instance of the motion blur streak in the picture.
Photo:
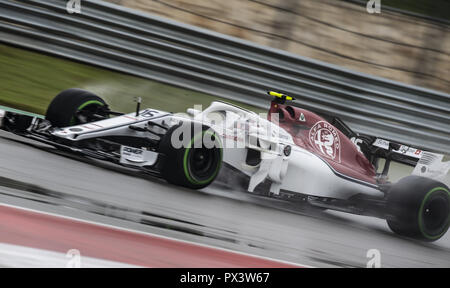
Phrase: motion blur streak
(35, 177)
(43, 231)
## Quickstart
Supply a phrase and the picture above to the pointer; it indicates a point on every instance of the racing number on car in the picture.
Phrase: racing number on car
(325, 140)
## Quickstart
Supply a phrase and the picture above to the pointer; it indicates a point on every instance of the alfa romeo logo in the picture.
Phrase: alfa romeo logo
(325, 140)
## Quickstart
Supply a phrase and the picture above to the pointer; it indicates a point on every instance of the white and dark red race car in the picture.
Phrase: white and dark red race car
(291, 154)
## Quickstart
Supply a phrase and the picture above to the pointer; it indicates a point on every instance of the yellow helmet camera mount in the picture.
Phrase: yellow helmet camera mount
(280, 98)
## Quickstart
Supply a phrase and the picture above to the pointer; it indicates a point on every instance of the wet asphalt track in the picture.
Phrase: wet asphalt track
(34, 177)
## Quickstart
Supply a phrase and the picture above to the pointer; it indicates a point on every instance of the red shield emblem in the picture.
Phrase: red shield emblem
(325, 140)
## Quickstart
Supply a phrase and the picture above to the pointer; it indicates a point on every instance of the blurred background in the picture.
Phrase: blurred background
(408, 42)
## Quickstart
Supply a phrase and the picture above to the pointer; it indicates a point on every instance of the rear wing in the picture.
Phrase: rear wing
(401, 153)
(425, 163)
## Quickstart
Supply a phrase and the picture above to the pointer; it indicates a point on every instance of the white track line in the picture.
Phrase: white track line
(14, 256)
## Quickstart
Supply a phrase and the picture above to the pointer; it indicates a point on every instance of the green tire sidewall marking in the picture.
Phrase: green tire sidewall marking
(87, 103)
(90, 103)
(421, 228)
(186, 153)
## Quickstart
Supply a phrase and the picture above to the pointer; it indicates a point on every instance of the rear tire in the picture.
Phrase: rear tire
(419, 208)
(62, 111)
(193, 165)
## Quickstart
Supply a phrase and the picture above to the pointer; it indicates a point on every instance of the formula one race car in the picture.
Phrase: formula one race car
(293, 153)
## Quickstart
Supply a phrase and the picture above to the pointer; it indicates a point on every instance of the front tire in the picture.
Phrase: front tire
(67, 108)
(419, 208)
(194, 165)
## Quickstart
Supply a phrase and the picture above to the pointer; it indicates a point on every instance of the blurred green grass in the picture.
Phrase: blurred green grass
(30, 80)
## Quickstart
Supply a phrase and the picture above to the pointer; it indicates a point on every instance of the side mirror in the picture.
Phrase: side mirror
(193, 112)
